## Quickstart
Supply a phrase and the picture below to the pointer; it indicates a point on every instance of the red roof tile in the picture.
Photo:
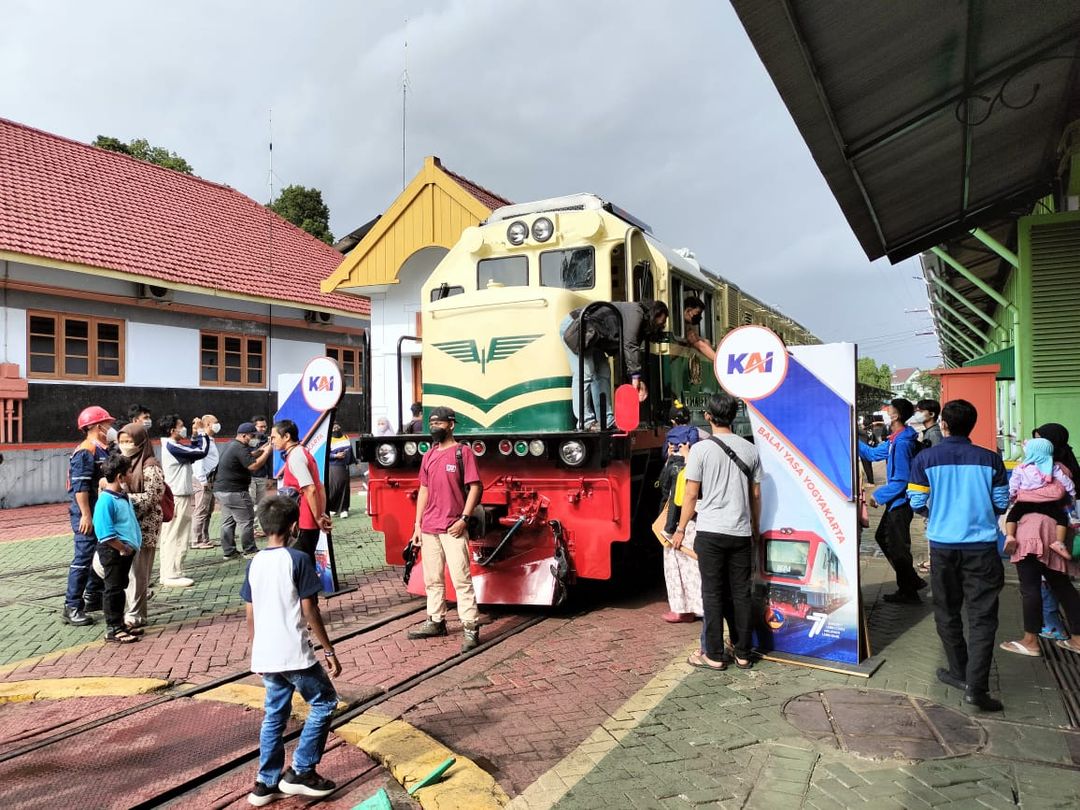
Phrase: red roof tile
(487, 197)
(64, 200)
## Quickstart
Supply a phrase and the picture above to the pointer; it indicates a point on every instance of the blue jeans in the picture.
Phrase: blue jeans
(315, 688)
(81, 577)
(597, 380)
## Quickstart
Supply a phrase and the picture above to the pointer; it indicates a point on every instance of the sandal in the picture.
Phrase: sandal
(133, 630)
(702, 661)
(1020, 649)
(120, 637)
(747, 664)
(1065, 645)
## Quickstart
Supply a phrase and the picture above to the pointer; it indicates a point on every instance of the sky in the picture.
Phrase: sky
(662, 108)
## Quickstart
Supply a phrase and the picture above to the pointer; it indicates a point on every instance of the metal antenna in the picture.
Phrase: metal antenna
(404, 106)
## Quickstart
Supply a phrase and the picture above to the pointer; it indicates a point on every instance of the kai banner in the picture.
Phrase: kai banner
(801, 404)
(311, 404)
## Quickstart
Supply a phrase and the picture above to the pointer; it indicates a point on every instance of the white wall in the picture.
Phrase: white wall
(13, 337)
(166, 356)
(291, 356)
(393, 314)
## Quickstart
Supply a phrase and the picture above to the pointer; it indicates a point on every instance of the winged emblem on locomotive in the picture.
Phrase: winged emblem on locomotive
(499, 348)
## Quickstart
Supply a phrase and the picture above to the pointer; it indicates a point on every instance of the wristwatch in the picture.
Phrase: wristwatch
(465, 518)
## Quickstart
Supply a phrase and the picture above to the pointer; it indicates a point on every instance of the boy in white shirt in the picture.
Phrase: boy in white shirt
(281, 590)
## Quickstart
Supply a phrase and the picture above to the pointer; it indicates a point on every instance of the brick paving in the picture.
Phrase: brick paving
(594, 708)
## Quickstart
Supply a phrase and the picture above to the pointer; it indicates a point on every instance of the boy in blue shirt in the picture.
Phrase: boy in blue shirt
(118, 538)
(281, 589)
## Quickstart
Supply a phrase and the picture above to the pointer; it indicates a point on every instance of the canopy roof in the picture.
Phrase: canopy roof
(927, 119)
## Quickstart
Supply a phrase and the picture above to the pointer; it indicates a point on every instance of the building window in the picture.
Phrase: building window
(349, 359)
(228, 359)
(70, 347)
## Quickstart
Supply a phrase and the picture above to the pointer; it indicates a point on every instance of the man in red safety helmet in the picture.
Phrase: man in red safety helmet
(85, 588)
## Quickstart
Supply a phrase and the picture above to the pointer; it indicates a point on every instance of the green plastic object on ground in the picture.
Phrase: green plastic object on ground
(380, 801)
(432, 777)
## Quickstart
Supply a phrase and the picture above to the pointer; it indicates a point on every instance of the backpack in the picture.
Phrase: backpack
(168, 505)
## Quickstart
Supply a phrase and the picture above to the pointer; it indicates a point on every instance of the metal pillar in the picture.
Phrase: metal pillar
(939, 301)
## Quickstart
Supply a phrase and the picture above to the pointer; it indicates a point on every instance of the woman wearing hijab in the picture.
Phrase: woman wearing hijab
(1054, 570)
(341, 456)
(146, 487)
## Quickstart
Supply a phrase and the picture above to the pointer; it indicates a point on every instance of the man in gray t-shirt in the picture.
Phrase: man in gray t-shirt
(723, 486)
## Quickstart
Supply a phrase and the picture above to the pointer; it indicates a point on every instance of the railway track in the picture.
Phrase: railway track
(22, 760)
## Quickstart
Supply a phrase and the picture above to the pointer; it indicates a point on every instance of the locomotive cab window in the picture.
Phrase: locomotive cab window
(573, 269)
(643, 281)
(787, 558)
(504, 271)
(675, 323)
(445, 291)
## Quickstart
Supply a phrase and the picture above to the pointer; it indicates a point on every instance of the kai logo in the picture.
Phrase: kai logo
(749, 363)
(499, 348)
(320, 383)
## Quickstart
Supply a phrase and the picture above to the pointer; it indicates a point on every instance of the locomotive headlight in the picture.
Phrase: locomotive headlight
(410, 448)
(572, 453)
(386, 455)
(542, 229)
(536, 447)
(517, 233)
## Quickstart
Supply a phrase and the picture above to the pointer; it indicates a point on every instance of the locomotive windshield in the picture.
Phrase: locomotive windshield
(504, 271)
(787, 558)
(573, 269)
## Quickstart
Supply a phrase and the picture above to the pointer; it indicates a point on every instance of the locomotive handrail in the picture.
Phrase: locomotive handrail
(365, 381)
(589, 311)
(402, 339)
(538, 303)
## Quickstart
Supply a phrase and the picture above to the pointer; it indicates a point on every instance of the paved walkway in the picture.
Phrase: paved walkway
(596, 708)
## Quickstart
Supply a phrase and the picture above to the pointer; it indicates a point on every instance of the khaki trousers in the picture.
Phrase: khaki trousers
(138, 584)
(204, 508)
(439, 551)
(173, 543)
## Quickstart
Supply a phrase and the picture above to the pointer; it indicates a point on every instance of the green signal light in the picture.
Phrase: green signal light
(521, 448)
(424, 446)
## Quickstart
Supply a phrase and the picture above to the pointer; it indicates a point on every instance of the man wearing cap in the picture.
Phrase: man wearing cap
(84, 587)
(235, 466)
(893, 533)
(449, 491)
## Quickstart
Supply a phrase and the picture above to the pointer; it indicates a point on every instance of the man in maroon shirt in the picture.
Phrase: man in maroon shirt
(449, 491)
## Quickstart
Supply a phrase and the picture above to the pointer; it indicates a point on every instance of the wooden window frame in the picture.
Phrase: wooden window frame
(60, 321)
(358, 377)
(221, 382)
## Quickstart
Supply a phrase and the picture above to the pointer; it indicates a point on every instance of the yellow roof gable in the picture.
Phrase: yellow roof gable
(432, 211)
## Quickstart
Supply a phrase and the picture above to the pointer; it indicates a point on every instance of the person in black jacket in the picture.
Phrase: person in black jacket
(641, 321)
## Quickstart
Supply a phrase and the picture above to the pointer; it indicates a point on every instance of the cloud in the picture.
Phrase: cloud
(664, 108)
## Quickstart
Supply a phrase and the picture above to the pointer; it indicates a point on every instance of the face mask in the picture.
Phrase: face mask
(917, 418)
(147, 423)
(696, 320)
(216, 428)
(337, 433)
(110, 435)
(182, 433)
(438, 435)
(129, 450)
(253, 442)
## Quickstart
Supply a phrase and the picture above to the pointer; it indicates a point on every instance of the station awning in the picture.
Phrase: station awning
(1005, 358)
(927, 119)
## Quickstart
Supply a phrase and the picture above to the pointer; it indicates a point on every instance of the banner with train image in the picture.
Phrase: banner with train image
(801, 405)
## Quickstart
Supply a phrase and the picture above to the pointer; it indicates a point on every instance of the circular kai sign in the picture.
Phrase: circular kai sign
(322, 384)
(751, 362)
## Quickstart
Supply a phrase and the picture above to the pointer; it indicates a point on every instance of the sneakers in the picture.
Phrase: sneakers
(343, 515)
(232, 555)
(472, 637)
(178, 582)
(305, 784)
(262, 795)
(429, 629)
(75, 617)
(250, 555)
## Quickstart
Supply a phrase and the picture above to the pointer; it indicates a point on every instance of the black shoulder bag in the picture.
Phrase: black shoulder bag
(473, 523)
(734, 457)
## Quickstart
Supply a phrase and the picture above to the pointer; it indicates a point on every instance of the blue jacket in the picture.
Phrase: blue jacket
(897, 453)
(969, 485)
(114, 518)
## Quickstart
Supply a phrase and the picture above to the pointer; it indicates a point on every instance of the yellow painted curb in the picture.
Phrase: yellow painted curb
(410, 755)
(61, 688)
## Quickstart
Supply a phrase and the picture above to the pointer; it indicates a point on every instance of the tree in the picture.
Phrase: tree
(140, 149)
(304, 208)
(869, 372)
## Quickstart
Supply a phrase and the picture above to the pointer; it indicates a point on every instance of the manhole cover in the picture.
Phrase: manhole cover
(884, 725)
